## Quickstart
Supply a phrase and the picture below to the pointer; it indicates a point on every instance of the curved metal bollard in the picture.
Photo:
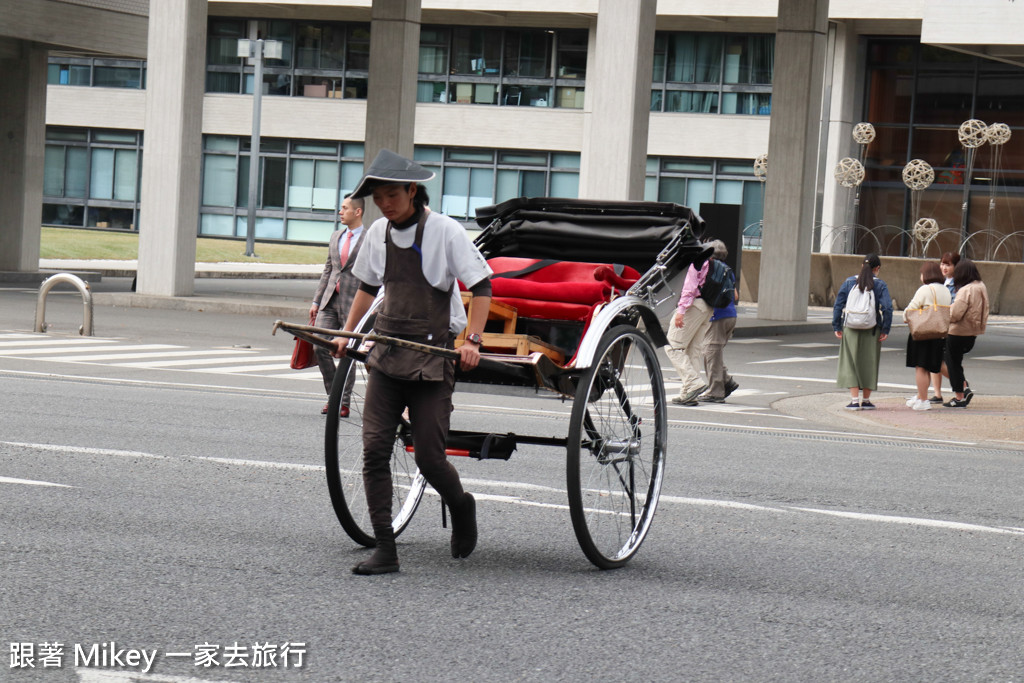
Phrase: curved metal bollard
(81, 285)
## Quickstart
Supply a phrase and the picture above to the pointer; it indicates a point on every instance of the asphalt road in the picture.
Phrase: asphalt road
(182, 509)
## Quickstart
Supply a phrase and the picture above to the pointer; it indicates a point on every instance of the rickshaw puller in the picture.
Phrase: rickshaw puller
(417, 255)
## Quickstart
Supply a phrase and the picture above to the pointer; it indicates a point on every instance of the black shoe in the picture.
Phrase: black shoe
(730, 387)
(935, 399)
(385, 557)
(463, 526)
(853, 405)
(956, 403)
(968, 395)
(867, 405)
(706, 398)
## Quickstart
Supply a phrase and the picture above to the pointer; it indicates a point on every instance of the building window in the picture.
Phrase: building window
(916, 97)
(470, 178)
(319, 59)
(508, 67)
(713, 73)
(302, 183)
(91, 178)
(695, 182)
(99, 73)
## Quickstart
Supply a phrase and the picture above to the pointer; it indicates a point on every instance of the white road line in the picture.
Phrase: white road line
(666, 499)
(999, 358)
(809, 345)
(94, 349)
(247, 368)
(86, 675)
(794, 359)
(156, 364)
(81, 450)
(299, 374)
(754, 340)
(32, 482)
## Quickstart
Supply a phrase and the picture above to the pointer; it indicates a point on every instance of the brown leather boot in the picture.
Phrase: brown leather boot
(385, 557)
(463, 526)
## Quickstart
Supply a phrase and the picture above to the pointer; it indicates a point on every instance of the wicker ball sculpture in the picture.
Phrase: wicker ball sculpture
(918, 174)
(997, 134)
(761, 167)
(972, 133)
(925, 229)
(849, 172)
(863, 133)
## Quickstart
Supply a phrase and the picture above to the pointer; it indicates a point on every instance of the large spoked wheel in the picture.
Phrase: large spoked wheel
(343, 450)
(616, 450)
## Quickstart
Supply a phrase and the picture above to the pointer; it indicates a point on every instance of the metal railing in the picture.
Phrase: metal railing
(82, 286)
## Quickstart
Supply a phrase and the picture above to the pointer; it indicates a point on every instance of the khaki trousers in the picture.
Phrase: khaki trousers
(685, 349)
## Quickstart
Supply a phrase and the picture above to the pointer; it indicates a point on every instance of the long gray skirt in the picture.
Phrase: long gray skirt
(859, 351)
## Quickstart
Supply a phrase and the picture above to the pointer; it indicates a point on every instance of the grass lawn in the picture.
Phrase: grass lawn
(67, 243)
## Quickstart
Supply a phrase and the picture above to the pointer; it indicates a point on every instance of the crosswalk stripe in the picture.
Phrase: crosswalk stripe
(145, 354)
(39, 341)
(50, 352)
(246, 368)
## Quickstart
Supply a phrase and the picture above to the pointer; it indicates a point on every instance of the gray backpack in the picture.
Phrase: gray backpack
(859, 313)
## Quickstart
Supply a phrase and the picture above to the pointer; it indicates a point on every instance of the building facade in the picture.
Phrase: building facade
(502, 111)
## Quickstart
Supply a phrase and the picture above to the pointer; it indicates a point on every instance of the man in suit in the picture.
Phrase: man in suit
(337, 287)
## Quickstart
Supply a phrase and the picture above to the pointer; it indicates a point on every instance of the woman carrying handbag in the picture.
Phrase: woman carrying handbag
(927, 315)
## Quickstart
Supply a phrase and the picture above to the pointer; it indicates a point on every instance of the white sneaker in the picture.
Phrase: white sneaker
(911, 401)
(921, 405)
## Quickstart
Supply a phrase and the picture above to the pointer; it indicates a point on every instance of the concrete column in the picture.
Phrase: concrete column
(800, 38)
(617, 106)
(391, 95)
(838, 213)
(22, 147)
(172, 154)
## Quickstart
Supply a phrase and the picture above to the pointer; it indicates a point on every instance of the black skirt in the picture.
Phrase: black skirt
(926, 354)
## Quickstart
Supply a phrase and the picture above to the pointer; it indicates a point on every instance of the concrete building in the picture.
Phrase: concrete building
(148, 114)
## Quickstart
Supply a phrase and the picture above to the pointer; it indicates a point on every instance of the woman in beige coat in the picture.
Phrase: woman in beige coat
(968, 317)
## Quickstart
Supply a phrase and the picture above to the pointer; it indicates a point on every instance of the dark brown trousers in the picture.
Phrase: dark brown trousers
(430, 408)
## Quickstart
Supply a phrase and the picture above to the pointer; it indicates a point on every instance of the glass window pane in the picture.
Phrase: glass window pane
(698, 192)
(117, 77)
(476, 50)
(485, 156)
(301, 230)
(481, 187)
(660, 47)
(332, 50)
(565, 184)
(53, 171)
(268, 228)
(687, 166)
(565, 160)
(427, 153)
(729, 192)
(750, 59)
(210, 224)
(753, 204)
(694, 102)
(433, 51)
(222, 42)
(433, 186)
(455, 200)
(218, 180)
(114, 136)
(223, 82)
(307, 46)
(75, 175)
(572, 54)
(101, 178)
(522, 158)
(300, 184)
(273, 182)
(508, 185)
(76, 134)
(53, 72)
(222, 143)
(78, 75)
(650, 189)
(62, 214)
(325, 189)
(353, 150)
(125, 174)
(672, 190)
(358, 53)
(280, 31)
(527, 53)
(569, 98)
(351, 174)
(313, 148)
(943, 97)
(242, 182)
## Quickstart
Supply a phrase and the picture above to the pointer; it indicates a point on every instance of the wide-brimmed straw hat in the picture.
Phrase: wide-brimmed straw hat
(389, 168)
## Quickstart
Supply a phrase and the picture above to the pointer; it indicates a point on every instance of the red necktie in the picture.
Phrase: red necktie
(344, 255)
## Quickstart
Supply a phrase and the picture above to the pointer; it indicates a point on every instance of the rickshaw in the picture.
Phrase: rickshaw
(579, 290)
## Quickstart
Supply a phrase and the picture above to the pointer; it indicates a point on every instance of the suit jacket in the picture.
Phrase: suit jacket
(334, 274)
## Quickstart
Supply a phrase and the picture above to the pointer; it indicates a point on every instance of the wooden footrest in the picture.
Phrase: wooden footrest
(517, 345)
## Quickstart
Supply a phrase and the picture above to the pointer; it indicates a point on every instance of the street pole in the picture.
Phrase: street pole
(255, 52)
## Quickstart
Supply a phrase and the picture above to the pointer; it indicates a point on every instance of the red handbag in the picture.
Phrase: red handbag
(302, 355)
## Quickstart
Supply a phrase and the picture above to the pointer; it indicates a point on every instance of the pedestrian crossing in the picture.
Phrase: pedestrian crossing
(169, 357)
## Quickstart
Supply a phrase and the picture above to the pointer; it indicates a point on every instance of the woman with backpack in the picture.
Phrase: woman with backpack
(861, 318)
(925, 356)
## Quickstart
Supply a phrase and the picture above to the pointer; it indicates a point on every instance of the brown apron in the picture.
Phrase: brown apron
(413, 310)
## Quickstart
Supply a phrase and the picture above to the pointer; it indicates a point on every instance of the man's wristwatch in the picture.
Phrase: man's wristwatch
(475, 338)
